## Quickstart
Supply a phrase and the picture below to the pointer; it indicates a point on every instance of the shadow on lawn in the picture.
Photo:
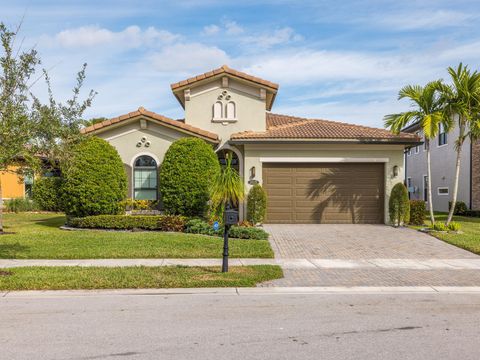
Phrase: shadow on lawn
(54, 222)
(9, 251)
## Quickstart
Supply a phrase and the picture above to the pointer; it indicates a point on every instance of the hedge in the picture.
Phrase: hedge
(197, 226)
(256, 204)
(417, 212)
(126, 222)
(47, 193)
(186, 175)
(399, 205)
(95, 180)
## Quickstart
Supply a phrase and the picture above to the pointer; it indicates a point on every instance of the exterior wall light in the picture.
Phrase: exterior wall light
(395, 171)
(252, 172)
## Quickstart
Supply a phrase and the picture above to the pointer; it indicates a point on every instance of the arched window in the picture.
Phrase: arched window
(231, 110)
(217, 110)
(145, 178)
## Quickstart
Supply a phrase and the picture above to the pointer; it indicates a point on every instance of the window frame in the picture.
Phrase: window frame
(139, 168)
(417, 148)
(443, 188)
(442, 136)
(425, 188)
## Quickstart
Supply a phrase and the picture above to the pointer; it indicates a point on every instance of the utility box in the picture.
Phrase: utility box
(231, 217)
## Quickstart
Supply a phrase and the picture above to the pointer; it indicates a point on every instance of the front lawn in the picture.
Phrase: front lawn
(468, 239)
(63, 278)
(37, 236)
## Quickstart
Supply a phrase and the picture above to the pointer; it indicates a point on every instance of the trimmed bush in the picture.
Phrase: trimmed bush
(47, 193)
(399, 205)
(256, 204)
(198, 226)
(125, 222)
(460, 208)
(417, 212)
(95, 180)
(454, 226)
(186, 175)
(440, 227)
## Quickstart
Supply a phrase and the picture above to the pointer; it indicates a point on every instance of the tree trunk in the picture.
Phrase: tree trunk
(457, 175)
(1, 207)
(429, 184)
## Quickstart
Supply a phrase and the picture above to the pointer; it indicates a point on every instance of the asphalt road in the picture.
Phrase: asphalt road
(278, 326)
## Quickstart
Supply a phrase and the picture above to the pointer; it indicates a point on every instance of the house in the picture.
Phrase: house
(14, 186)
(314, 171)
(443, 159)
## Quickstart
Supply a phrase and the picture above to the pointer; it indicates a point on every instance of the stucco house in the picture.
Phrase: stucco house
(443, 157)
(314, 171)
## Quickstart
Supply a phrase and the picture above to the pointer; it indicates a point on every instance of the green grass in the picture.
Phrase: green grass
(63, 278)
(468, 239)
(37, 236)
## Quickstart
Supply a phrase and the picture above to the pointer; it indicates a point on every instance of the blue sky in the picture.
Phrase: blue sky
(339, 60)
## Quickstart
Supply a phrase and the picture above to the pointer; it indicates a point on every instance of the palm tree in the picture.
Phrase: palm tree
(427, 112)
(227, 188)
(462, 104)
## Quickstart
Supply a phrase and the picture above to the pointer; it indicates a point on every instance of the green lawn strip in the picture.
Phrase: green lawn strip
(37, 236)
(468, 239)
(63, 278)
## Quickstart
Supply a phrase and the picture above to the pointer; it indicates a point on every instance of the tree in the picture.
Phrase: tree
(399, 205)
(95, 181)
(227, 187)
(93, 121)
(428, 105)
(29, 128)
(256, 204)
(186, 174)
(462, 105)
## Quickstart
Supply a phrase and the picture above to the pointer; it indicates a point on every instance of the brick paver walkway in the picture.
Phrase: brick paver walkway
(376, 244)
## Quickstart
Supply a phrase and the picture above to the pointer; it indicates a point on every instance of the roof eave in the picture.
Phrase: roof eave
(327, 141)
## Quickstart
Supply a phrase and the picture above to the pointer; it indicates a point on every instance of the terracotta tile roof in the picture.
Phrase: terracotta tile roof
(224, 69)
(157, 117)
(291, 128)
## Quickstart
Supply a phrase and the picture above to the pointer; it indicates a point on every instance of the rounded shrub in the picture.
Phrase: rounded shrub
(454, 226)
(460, 208)
(256, 204)
(188, 169)
(95, 180)
(417, 212)
(399, 205)
(47, 192)
(440, 227)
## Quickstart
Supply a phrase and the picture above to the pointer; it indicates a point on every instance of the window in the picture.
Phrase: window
(409, 151)
(28, 181)
(417, 148)
(425, 144)
(442, 135)
(231, 115)
(425, 188)
(409, 183)
(442, 191)
(145, 178)
(218, 110)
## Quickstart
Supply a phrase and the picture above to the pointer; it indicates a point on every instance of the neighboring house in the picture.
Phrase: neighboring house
(443, 170)
(14, 186)
(314, 171)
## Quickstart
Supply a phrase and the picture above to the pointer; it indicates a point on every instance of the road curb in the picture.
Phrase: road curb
(334, 290)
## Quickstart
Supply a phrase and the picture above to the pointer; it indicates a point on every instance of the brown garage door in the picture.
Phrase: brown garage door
(324, 193)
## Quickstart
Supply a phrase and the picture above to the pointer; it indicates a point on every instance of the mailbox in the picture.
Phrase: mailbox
(231, 217)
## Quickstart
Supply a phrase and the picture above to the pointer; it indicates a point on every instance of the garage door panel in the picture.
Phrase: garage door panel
(324, 193)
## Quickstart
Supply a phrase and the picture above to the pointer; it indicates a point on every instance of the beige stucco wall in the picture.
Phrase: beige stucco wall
(393, 154)
(125, 138)
(250, 108)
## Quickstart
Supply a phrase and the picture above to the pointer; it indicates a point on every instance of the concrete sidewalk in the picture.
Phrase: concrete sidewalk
(302, 264)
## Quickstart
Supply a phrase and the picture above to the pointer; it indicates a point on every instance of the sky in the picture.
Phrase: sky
(339, 60)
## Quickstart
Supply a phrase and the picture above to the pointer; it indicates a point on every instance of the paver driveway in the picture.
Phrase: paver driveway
(358, 242)
(363, 243)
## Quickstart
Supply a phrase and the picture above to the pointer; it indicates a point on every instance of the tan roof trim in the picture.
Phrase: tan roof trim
(224, 70)
(175, 124)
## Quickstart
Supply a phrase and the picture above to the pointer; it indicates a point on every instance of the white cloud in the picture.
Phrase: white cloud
(268, 40)
(189, 58)
(232, 27)
(211, 29)
(91, 36)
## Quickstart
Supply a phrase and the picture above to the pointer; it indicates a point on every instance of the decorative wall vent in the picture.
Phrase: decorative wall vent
(224, 109)
(143, 142)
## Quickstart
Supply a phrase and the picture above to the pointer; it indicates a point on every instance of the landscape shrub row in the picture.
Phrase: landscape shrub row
(175, 223)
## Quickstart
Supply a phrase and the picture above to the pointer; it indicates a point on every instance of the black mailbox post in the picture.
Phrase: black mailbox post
(230, 218)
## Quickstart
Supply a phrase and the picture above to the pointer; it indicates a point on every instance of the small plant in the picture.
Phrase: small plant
(454, 226)
(417, 212)
(132, 204)
(256, 204)
(460, 208)
(440, 227)
(20, 205)
(399, 205)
